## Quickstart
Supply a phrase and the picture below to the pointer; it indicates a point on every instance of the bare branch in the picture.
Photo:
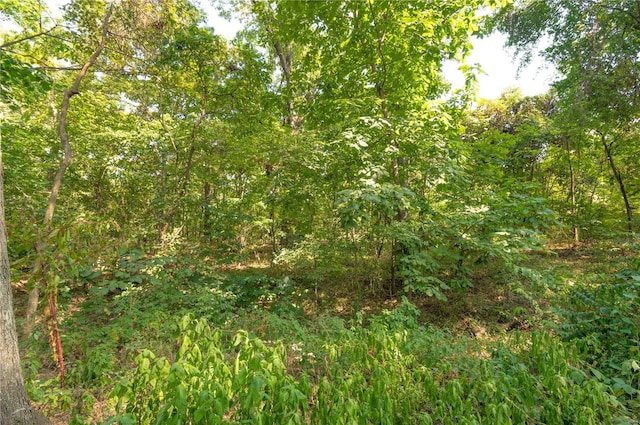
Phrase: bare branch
(29, 37)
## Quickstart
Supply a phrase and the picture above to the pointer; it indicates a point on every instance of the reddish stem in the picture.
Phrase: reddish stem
(56, 333)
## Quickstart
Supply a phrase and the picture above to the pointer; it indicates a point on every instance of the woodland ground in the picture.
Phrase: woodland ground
(104, 330)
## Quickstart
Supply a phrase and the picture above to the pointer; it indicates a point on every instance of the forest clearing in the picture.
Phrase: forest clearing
(307, 224)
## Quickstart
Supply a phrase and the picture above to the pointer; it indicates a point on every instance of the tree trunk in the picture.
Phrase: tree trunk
(285, 58)
(618, 176)
(183, 185)
(206, 211)
(380, 75)
(15, 407)
(574, 208)
(42, 243)
(572, 195)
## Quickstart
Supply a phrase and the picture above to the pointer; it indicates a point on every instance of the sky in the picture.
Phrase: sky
(500, 68)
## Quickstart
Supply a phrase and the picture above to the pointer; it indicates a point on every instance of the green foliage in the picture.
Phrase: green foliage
(131, 268)
(603, 322)
(385, 374)
(323, 141)
(402, 318)
(203, 386)
(20, 80)
(595, 91)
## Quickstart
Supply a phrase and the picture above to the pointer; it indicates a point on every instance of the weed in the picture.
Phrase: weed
(363, 375)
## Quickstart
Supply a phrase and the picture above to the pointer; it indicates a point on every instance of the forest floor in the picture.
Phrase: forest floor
(102, 337)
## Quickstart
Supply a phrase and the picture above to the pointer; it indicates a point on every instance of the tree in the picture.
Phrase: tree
(20, 83)
(41, 245)
(15, 407)
(594, 45)
(362, 83)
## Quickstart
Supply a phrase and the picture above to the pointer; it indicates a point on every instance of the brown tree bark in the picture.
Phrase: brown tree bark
(574, 207)
(15, 407)
(285, 58)
(183, 185)
(42, 243)
(206, 211)
(572, 193)
(618, 176)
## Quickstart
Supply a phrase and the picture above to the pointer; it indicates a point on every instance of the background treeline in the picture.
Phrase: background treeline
(323, 136)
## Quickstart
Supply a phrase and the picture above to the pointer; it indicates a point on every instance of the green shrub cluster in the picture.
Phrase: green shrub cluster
(389, 372)
(603, 323)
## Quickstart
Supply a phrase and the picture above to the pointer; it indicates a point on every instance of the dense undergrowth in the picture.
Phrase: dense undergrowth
(167, 340)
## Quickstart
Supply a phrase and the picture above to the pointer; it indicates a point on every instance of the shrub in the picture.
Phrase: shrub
(604, 324)
(382, 374)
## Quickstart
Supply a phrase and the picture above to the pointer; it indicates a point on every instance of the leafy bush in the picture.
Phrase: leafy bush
(202, 385)
(438, 240)
(382, 374)
(130, 269)
(603, 321)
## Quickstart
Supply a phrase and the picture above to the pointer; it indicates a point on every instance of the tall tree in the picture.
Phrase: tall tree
(363, 81)
(41, 245)
(15, 407)
(594, 45)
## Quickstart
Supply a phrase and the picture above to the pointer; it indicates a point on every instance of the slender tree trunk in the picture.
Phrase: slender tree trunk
(15, 407)
(182, 190)
(396, 165)
(292, 120)
(42, 244)
(206, 211)
(285, 57)
(97, 189)
(572, 194)
(618, 176)
(574, 208)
